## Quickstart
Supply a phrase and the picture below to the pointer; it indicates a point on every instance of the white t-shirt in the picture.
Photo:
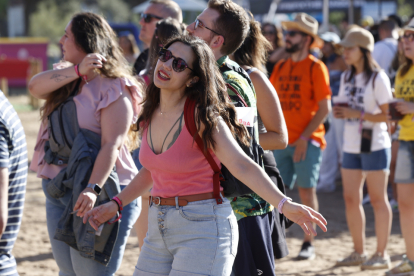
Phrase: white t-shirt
(364, 99)
(384, 52)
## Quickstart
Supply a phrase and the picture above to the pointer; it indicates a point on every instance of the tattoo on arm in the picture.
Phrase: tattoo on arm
(58, 77)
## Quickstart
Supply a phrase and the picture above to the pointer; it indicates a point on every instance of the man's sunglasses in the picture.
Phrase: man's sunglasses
(292, 33)
(148, 17)
(178, 64)
(198, 23)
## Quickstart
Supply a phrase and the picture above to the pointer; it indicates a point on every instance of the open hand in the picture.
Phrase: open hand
(90, 63)
(340, 112)
(304, 216)
(85, 202)
(405, 107)
(101, 214)
(301, 146)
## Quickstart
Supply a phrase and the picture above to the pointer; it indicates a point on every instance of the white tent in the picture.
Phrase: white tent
(185, 5)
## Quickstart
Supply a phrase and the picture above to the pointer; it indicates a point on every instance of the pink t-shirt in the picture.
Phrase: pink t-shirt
(181, 170)
(98, 94)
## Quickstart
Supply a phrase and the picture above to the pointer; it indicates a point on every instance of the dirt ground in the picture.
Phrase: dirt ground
(34, 256)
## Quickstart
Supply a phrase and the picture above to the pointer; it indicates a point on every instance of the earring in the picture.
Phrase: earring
(188, 84)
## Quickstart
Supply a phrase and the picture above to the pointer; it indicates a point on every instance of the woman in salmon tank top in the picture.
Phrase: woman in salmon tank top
(192, 229)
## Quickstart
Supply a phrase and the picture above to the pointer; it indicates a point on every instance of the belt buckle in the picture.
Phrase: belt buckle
(159, 201)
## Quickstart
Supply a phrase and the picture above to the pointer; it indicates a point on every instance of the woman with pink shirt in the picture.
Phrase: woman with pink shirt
(191, 229)
(107, 103)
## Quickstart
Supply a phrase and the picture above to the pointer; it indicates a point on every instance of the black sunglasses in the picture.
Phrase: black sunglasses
(148, 17)
(198, 23)
(178, 64)
(292, 33)
(409, 37)
(268, 33)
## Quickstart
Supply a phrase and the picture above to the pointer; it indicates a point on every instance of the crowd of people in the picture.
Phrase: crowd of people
(193, 140)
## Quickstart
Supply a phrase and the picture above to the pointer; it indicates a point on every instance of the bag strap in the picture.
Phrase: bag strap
(189, 119)
(229, 86)
(311, 80)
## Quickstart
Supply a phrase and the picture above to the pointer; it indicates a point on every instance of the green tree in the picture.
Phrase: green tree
(405, 10)
(52, 16)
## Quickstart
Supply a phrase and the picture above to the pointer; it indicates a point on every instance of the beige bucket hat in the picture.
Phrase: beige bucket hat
(307, 24)
(358, 37)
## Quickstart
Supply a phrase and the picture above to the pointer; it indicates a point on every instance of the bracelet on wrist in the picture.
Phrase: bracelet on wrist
(304, 138)
(281, 203)
(84, 77)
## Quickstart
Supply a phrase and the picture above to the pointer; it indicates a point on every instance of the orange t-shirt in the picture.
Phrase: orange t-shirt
(300, 86)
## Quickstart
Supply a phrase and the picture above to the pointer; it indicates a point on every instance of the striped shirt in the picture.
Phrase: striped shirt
(13, 155)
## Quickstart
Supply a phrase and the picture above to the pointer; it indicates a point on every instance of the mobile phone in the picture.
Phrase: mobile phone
(366, 140)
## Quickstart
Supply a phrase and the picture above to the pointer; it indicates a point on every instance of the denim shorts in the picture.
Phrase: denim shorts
(374, 161)
(404, 170)
(198, 239)
(305, 173)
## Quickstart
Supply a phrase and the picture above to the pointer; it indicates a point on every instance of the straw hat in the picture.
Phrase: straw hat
(410, 26)
(358, 37)
(306, 24)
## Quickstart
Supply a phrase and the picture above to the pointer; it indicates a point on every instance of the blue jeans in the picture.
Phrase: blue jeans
(374, 161)
(198, 239)
(68, 259)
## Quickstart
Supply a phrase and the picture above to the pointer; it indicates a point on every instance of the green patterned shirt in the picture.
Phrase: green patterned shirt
(253, 204)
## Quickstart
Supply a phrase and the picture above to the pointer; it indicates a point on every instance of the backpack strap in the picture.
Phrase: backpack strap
(189, 119)
(311, 79)
(373, 80)
(281, 65)
(229, 86)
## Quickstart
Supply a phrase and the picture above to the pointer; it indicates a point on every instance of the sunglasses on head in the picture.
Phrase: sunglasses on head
(148, 17)
(200, 24)
(178, 64)
(292, 33)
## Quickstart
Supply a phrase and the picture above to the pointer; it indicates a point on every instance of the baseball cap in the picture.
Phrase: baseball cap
(330, 37)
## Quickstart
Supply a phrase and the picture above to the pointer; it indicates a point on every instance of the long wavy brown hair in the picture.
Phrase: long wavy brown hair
(93, 34)
(255, 48)
(210, 94)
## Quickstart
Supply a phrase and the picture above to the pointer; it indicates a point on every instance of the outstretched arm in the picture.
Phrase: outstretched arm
(243, 168)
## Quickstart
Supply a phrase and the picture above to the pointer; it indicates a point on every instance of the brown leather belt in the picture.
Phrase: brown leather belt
(182, 200)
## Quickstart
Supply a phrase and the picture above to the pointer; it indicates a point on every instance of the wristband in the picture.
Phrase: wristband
(84, 77)
(119, 203)
(281, 203)
(304, 138)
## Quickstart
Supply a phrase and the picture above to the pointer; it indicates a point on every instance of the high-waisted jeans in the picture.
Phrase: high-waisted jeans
(198, 239)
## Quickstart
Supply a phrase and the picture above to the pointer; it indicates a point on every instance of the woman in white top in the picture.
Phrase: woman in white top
(366, 146)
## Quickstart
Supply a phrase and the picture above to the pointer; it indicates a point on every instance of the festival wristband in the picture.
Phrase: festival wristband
(304, 138)
(84, 77)
(281, 203)
(118, 202)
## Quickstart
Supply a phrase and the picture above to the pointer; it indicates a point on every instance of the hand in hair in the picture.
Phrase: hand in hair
(91, 62)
